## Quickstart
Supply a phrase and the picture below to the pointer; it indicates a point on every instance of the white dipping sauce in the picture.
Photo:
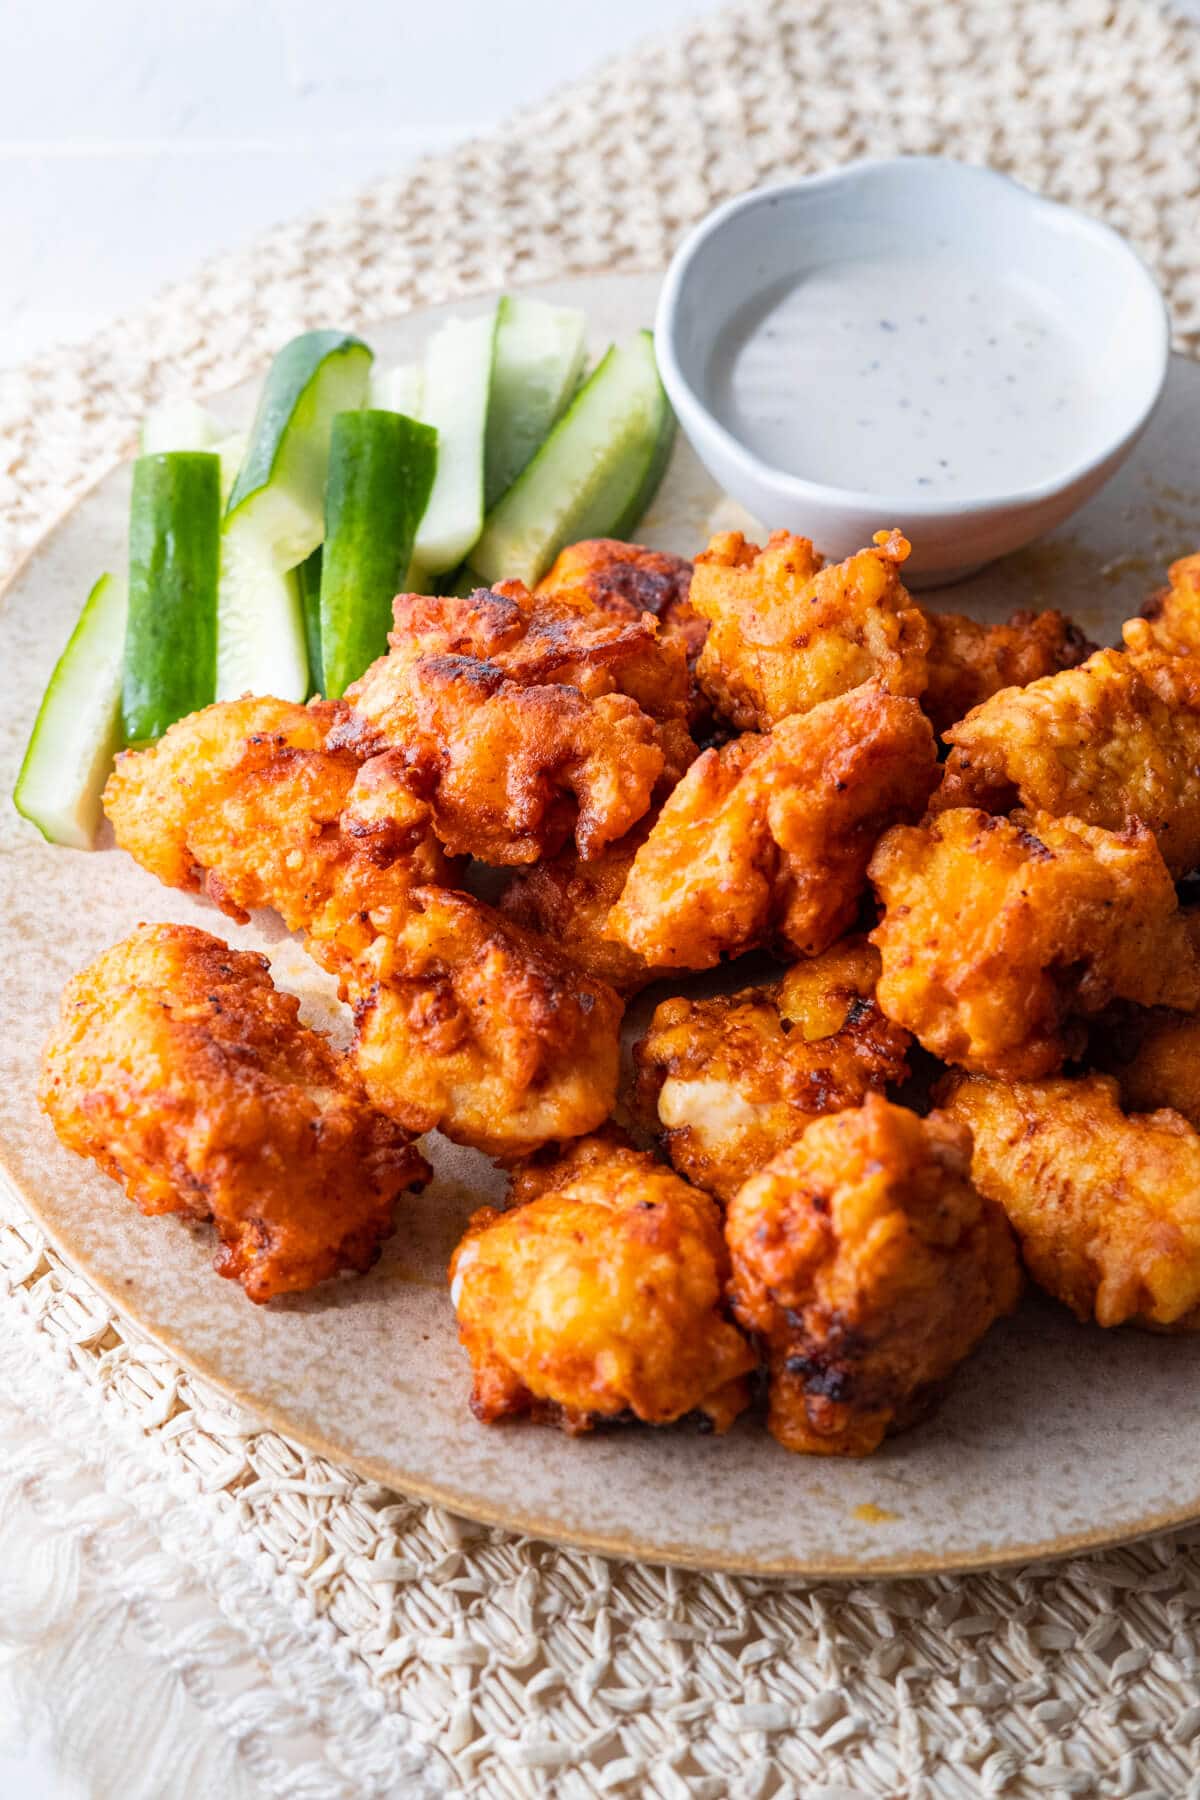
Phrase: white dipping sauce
(904, 374)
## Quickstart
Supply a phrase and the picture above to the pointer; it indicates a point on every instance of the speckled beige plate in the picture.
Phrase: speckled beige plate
(1053, 1438)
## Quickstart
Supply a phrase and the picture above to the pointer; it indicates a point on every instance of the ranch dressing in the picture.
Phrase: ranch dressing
(919, 374)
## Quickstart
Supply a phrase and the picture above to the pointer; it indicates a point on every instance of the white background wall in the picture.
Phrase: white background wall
(138, 137)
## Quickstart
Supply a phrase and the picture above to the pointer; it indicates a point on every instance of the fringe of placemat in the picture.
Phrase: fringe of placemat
(138, 1614)
(354, 1639)
(387, 1626)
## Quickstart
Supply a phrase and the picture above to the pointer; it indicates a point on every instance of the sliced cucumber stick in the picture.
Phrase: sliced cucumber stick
(593, 477)
(308, 581)
(78, 728)
(536, 367)
(232, 452)
(458, 374)
(280, 487)
(174, 557)
(381, 473)
(260, 625)
(400, 389)
(654, 469)
(261, 647)
(178, 425)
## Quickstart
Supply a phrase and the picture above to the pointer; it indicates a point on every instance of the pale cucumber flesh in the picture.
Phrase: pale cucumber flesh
(399, 389)
(594, 475)
(261, 641)
(280, 488)
(231, 451)
(539, 358)
(78, 727)
(458, 369)
(178, 425)
(260, 626)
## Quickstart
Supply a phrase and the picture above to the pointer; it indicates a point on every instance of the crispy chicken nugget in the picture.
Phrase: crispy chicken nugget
(969, 662)
(1112, 742)
(1170, 619)
(786, 633)
(996, 931)
(522, 722)
(735, 1079)
(870, 1267)
(245, 802)
(470, 1024)
(181, 1070)
(568, 901)
(769, 838)
(628, 579)
(599, 1295)
(1106, 1204)
(1155, 1057)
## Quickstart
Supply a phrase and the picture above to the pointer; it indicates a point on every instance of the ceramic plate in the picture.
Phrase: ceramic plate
(1054, 1437)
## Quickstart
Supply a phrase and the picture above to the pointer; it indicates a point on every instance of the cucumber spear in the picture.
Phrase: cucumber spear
(381, 472)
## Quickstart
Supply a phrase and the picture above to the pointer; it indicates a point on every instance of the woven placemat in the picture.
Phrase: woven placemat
(218, 1612)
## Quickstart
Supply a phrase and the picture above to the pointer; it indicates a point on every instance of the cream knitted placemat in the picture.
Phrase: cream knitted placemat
(216, 1612)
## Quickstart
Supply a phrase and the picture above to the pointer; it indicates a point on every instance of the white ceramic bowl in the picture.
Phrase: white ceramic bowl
(760, 242)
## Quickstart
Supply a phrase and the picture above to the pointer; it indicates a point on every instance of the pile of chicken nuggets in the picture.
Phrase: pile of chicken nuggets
(980, 1054)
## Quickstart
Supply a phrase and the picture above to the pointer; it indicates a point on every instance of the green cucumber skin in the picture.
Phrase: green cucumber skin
(174, 557)
(526, 403)
(287, 380)
(96, 646)
(639, 505)
(308, 578)
(459, 411)
(516, 541)
(381, 471)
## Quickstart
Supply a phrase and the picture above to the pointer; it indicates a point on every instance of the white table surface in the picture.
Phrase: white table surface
(171, 133)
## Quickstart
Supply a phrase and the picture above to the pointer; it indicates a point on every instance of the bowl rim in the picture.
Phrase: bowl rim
(700, 421)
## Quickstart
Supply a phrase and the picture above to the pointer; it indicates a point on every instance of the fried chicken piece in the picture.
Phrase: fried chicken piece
(470, 1024)
(1155, 1057)
(870, 1267)
(735, 1079)
(1112, 742)
(1170, 619)
(180, 1069)
(1106, 1204)
(599, 1295)
(568, 901)
(969, 662)
(769, 837)
(489, 1034)
(786, 633)
(996, 931)
(245, 802)
(522, 722)
(628, 579)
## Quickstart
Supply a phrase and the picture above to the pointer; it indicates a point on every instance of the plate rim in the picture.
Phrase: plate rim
(509, 1517)
(512, 1518)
